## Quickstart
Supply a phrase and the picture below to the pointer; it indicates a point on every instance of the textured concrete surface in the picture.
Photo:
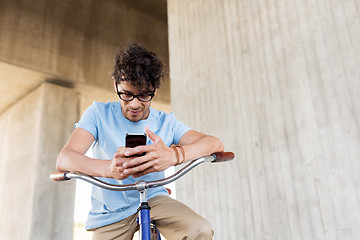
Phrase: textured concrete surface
(278, 81)
(33, 131)
(55, 59)
(73, 41)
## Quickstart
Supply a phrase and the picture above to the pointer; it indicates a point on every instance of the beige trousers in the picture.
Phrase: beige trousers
(173, 219)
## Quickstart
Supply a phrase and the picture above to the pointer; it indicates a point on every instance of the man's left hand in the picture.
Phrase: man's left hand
(158, 157)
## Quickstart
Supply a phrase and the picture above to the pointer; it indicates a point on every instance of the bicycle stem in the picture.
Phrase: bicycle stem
(141, 187)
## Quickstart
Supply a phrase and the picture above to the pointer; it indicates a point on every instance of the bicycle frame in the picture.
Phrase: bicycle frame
(141, 186)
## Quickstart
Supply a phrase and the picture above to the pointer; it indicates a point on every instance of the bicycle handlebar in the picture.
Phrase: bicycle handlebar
(223, 156)
(215, 157)
(59, 176)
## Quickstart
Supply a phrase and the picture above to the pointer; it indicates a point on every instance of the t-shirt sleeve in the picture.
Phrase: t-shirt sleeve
(88, 121)
(179, 129)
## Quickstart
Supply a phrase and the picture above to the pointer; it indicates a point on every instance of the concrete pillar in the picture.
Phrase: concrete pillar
(278, 81)
(33, 131)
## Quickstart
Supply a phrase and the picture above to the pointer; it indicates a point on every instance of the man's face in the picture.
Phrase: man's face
(134, 110)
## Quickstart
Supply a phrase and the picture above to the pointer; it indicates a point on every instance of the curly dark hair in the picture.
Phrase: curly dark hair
(138, 66)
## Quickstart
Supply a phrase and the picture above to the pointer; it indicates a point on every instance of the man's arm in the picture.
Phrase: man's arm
(159, 157)
(72, 158)
(197, 144)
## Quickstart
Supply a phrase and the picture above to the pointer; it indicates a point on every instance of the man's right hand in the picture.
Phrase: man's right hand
(116, 169)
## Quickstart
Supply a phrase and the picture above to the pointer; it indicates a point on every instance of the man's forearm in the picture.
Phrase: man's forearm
(69, 160)
(203, 146)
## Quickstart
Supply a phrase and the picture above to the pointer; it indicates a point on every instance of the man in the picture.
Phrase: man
(137, 75)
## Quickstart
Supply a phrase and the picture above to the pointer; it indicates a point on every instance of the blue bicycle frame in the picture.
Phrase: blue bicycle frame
(141, 186)
(144, 213)
(144, 221)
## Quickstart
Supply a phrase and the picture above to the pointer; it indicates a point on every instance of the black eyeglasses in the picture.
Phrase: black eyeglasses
(128, 97)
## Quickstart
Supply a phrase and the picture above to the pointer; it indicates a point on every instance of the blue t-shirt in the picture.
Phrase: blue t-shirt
(107, 124)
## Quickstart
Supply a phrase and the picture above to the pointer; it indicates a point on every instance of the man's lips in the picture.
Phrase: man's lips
(135, 112)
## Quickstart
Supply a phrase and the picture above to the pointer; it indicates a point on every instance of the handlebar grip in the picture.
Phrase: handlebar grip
(59, 176)
(222, 156)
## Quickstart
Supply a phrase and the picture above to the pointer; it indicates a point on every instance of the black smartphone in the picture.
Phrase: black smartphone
(135, 139)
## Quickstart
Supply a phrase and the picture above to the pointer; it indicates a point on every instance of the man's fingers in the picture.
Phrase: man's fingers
(153, 137)
(128, 152)
(135, 161)
(120, 152)
(137, 169)
(119, 163)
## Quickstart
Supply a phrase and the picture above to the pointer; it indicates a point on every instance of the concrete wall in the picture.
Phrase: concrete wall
(33, 131)
(71, 43)
(278, 81)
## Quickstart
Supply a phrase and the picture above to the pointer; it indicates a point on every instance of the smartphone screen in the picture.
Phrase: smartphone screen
(135, 139)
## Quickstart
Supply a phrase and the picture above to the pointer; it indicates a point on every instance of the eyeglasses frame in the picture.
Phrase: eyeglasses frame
(152, 94)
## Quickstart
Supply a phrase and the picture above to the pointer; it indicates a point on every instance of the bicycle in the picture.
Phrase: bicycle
(147, 230)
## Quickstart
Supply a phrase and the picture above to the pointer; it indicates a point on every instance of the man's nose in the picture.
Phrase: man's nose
(135, 103)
